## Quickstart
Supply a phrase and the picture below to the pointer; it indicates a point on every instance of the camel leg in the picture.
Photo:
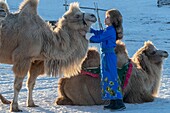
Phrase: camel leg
(4, 100)
(30, 86)
(62, 99)
(17, 87)
(21, 66)
(36, 69)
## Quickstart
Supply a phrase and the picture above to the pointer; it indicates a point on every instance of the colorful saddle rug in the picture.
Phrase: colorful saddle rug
(124, 73)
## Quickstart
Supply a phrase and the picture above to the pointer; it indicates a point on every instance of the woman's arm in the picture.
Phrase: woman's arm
(96, 32)
(104, 36)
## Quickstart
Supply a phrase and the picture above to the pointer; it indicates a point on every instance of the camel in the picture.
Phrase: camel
(142, 86)
(33, 47)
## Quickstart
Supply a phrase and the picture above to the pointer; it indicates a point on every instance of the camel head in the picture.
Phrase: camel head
(92, 59)
(150, 55)
(122, 54)
(71, 41)
(154, 55)
(3, 8)
(78, 20)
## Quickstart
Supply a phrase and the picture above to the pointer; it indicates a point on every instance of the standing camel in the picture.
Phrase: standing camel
(27, 41)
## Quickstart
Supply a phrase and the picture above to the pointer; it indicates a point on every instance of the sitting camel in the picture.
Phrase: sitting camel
(27, 41)
(143, 70)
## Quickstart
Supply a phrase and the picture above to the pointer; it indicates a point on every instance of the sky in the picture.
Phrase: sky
(142, 21)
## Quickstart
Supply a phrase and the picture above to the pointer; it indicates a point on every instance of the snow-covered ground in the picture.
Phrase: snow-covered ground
(143, 21)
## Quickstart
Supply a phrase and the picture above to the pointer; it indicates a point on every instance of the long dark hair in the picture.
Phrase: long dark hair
(116, 20)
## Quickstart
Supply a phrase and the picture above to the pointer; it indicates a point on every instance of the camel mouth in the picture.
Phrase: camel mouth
(165, 55)
(90, 17)
(2, 12)
(91, 20)
(1, 9)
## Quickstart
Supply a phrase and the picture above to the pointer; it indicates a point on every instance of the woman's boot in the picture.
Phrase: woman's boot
(115, 105)
(110, 105)
(118, 106)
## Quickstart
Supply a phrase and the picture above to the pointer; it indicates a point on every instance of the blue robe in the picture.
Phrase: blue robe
(111, 89)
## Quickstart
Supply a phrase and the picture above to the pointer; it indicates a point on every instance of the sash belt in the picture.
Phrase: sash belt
(108, 50)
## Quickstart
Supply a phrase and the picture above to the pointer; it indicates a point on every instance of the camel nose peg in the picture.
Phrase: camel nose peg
(92, 15)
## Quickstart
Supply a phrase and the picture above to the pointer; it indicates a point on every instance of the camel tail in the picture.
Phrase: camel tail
(4, 100)
(28, 7)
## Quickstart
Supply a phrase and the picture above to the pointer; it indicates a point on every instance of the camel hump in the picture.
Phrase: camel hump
(28, 7)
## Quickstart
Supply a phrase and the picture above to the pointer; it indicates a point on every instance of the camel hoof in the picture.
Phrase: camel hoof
(63, 101)
(14, 107)
(33, 105)
(15, 110)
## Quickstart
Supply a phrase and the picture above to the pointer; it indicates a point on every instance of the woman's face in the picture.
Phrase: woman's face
(107, 20)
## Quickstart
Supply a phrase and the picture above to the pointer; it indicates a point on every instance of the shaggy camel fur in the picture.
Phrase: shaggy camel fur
(27, 41)
(142, 87)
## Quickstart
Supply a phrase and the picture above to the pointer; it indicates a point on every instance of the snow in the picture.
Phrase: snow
(142, 21)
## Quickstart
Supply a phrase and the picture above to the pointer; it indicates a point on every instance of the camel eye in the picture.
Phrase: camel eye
(154, 52)
(77, 16)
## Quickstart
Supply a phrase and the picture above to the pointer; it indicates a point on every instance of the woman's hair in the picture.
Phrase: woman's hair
(116, 20)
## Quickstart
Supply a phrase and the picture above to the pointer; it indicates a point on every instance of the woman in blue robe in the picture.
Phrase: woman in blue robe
(111, 89)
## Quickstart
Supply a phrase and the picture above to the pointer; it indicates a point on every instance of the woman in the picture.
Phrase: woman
(111, 89)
